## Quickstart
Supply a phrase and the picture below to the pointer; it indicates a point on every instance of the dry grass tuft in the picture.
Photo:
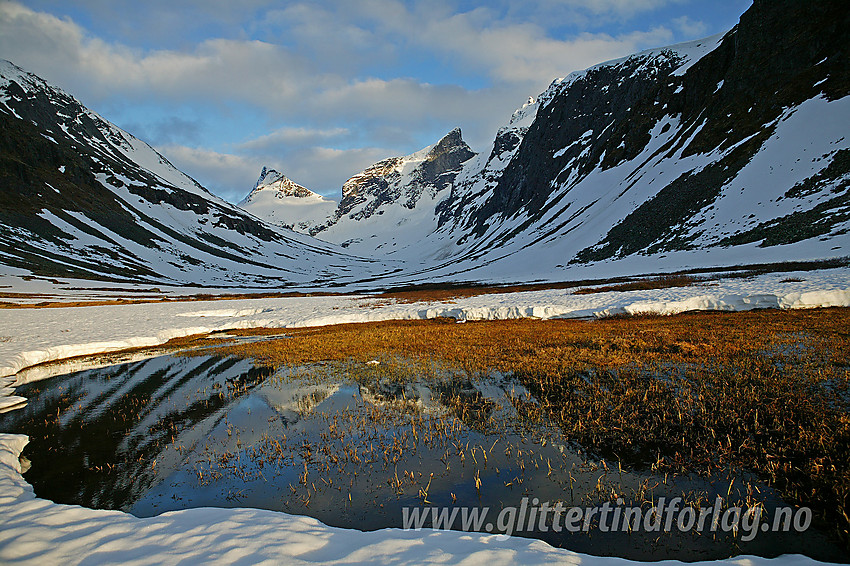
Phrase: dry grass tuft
(660, 282)
(52, 302)
(766, 390)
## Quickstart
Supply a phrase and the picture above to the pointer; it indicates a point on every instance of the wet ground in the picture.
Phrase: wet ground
(353, 445)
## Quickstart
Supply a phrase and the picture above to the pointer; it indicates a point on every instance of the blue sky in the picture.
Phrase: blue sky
(320, 90)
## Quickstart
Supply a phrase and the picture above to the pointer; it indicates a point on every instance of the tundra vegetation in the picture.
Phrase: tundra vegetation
(762, 391)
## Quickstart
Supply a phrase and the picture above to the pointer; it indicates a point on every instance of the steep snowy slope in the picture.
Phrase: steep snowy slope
(278, 200)
(733, 149)
(81, 198)
(728, 150)
(384, 209)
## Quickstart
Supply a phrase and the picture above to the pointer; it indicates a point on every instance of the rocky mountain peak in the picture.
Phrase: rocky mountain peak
(280, 184)
(449, 142)
(264, 175)
(443, 162)
(405, 179)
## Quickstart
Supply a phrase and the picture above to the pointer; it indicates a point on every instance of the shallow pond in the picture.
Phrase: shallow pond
(361, 446)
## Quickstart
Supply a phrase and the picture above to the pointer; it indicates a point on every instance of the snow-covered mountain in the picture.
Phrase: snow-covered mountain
(729, 150)
(391, 204)
(80, 197)
(385, 208)
(726, 151)
(733, 149)
(278, 200)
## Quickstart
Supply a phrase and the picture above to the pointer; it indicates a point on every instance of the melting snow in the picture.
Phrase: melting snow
(34, 529)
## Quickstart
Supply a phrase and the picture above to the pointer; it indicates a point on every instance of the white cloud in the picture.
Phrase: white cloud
(285, 83)
(326, 77)
(289, 136)
(217, 69)
(224, 71)
(224, 174)
(619, 8)
(523, 53)
(690, 29)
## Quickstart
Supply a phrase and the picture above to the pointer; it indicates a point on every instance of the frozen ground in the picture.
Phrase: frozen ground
(38, 531)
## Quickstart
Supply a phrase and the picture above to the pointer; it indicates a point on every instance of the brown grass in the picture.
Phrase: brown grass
(762, 390)
(448, 291)
(164, 299)
(551, 345)
(660, 282)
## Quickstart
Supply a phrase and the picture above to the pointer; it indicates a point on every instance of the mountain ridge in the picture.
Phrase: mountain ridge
(405, 187)
(716, 152)
(82, 198)
(673, 151)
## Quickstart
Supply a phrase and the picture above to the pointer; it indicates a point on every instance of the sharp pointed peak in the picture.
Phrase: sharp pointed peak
(269, 176)
(454, 135)
(450, 141)
(272, 179)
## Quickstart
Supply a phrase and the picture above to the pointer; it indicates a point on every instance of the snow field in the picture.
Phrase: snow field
(36, 336)
(34, 530)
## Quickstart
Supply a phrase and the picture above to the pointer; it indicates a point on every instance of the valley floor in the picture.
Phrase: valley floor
(34, 530)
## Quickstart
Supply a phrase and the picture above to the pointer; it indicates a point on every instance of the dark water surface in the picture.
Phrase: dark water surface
(352, 445)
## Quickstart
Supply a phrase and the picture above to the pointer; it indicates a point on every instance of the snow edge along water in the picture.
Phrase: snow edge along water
(103, 329)
(37, 530)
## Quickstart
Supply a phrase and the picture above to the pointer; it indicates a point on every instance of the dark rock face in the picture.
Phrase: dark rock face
(603, 102)
(443, 162)
(61, 164)
(373, 184)
(383, 182)
(773, 59)
(781, 54)
(440, 167)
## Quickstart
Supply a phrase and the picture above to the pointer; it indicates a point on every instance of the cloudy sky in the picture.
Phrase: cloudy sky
(322, 89)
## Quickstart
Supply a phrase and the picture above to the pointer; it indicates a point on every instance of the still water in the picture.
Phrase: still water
(353, 445)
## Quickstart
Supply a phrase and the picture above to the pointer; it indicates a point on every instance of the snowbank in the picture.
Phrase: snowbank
(35, 336)
(39, 531)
